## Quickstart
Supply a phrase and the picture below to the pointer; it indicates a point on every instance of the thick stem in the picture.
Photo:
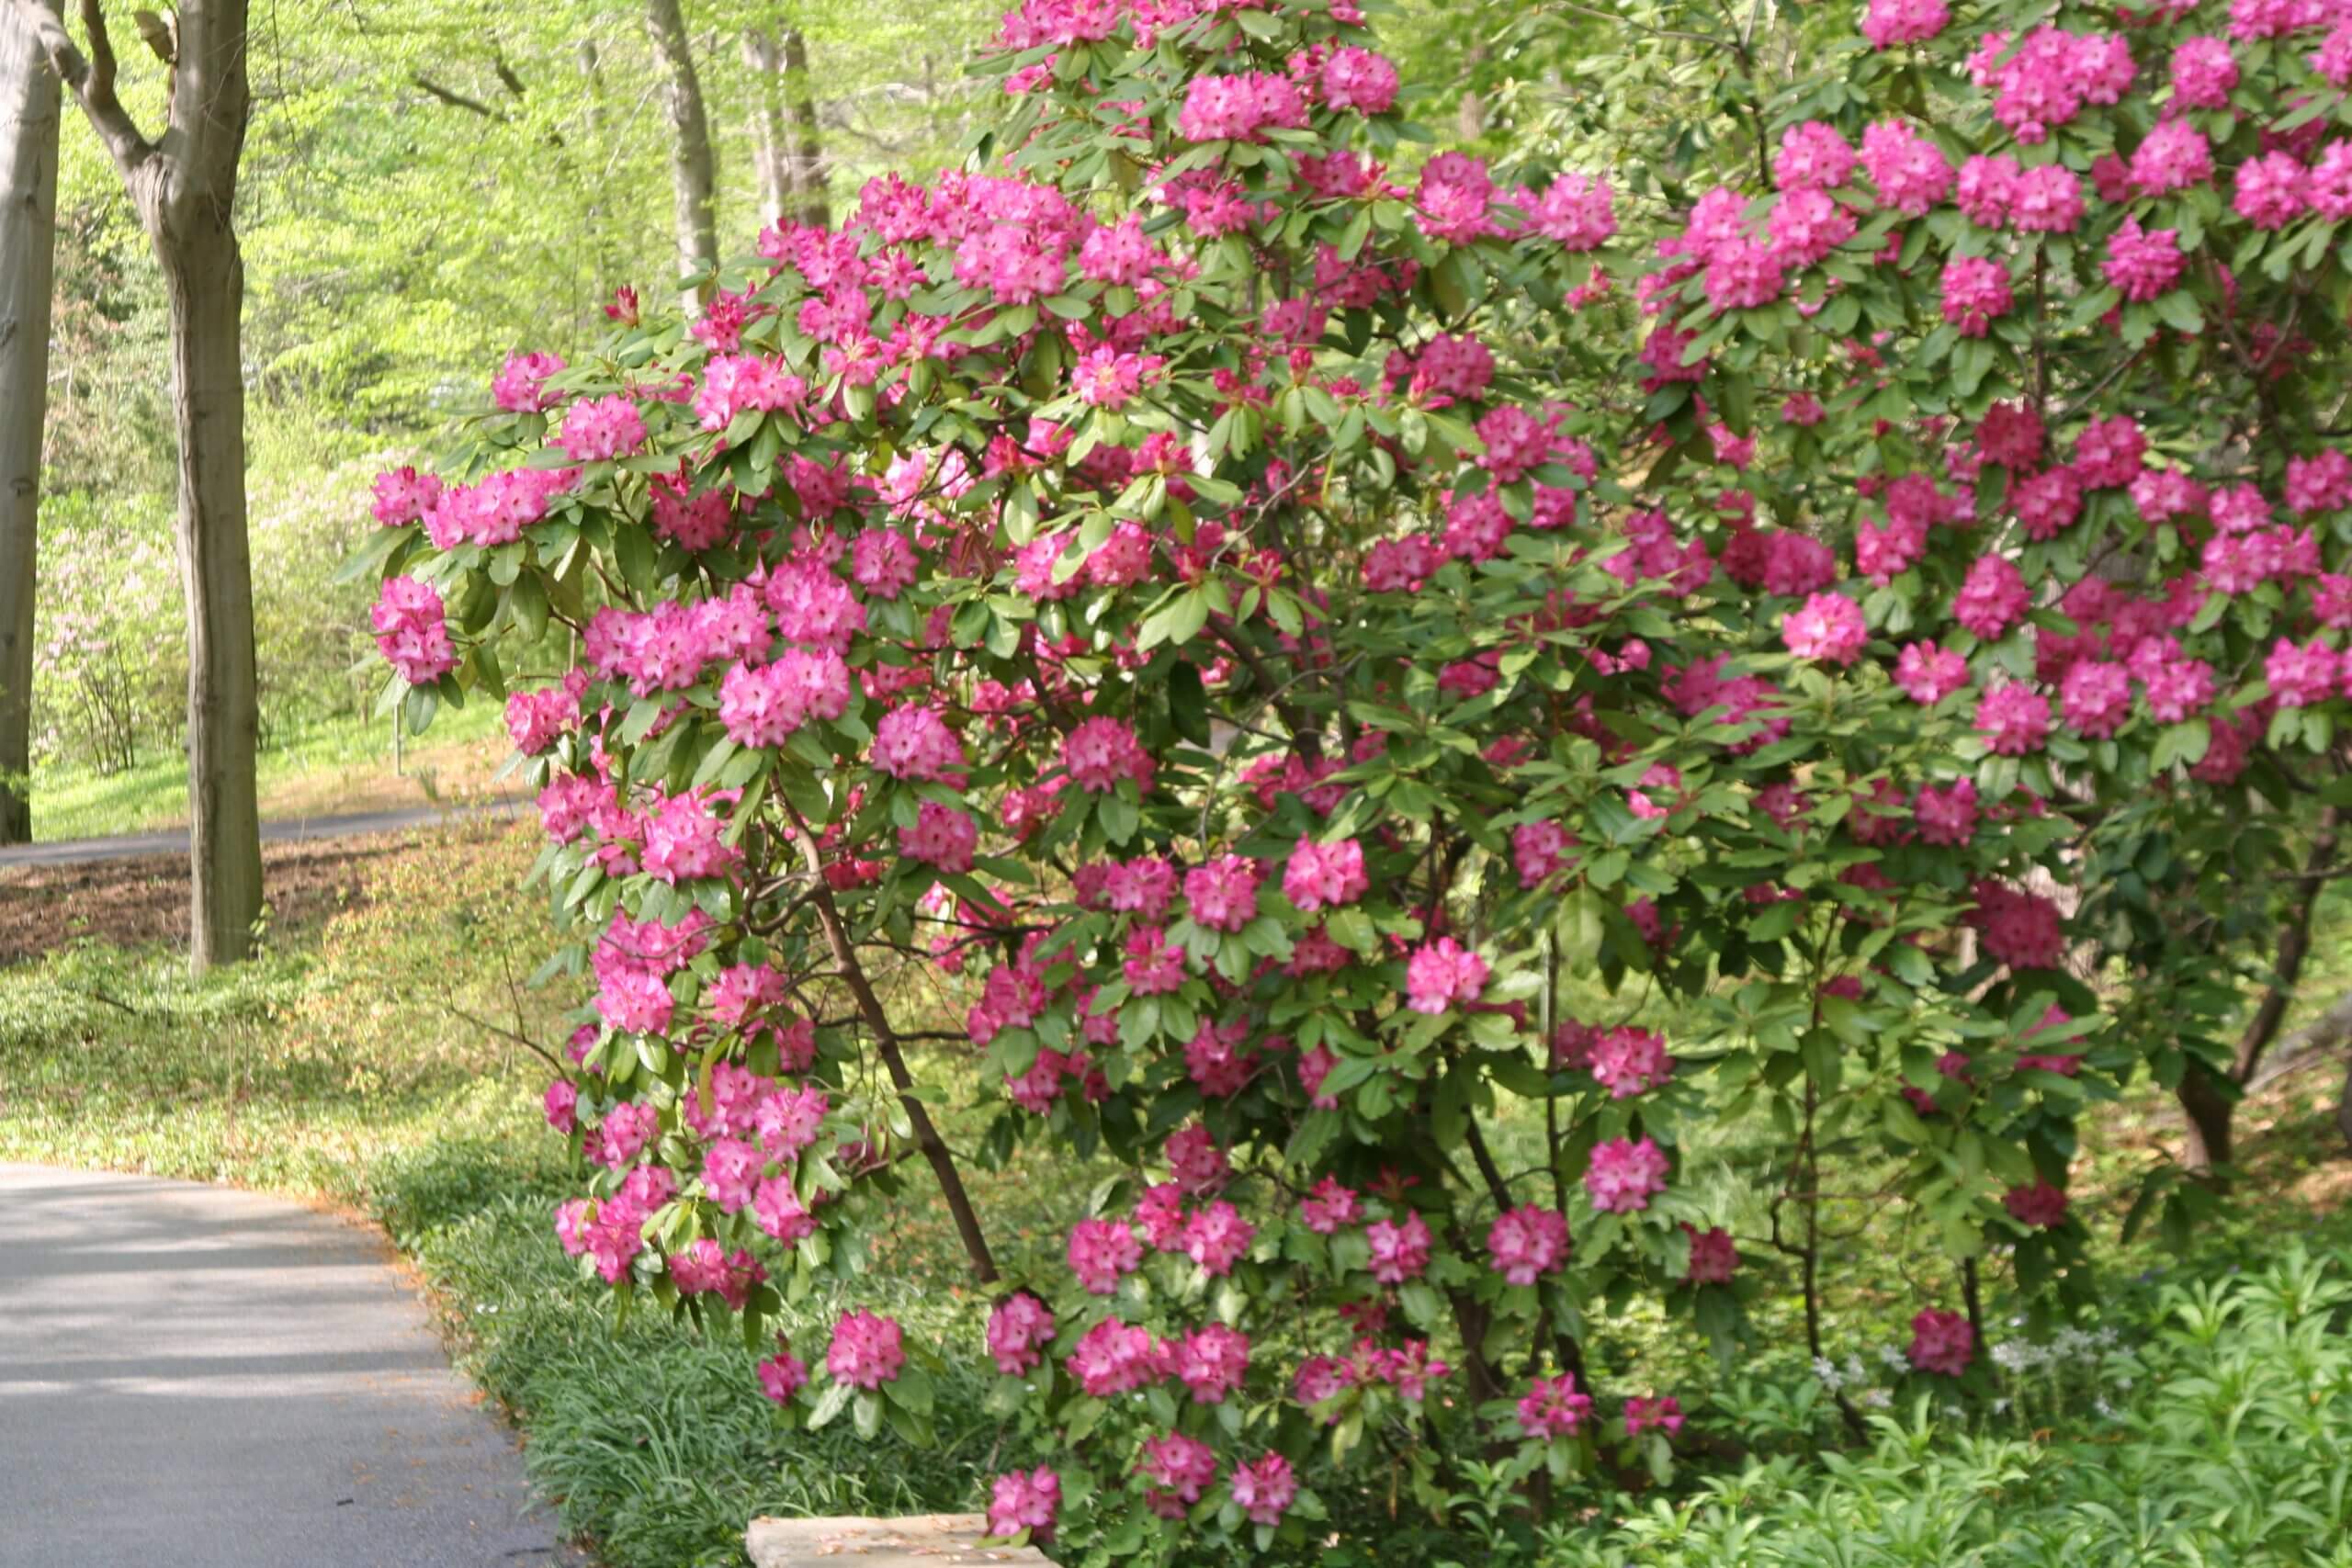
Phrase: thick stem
(886, 1038)
(29, 110)
(2210, 1104)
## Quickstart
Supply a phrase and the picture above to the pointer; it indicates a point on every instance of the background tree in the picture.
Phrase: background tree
(184, 188)
(28, 113)
(693, 177)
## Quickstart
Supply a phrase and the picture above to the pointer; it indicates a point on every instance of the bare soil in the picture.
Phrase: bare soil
(131, 902)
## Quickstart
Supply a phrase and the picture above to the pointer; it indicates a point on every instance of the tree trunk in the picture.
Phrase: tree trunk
(204, 278)
(184, 187)
(2210, 1109)
(694, 184)
(2211, 1106)
(808, 177)
(771, 139)
(29, 119)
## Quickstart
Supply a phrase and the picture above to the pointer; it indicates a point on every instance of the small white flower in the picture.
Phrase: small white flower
(1878, 1399)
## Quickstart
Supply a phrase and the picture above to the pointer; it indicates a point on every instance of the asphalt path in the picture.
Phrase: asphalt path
(207, 1378)
(174, 841)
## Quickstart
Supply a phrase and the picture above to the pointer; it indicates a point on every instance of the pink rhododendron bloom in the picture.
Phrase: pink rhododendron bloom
(1328, 1206)
(2041, 1205)
(915, 744)
(1264, 1489)
(1625, 1174)
(2203, 74)
(1443, 974)
(1540, 850)
(1908, 170)
(2173, 156)
(1528, 1241)
(941, 836)
(1628, 1061)
(1713, 1256)
(1213, 1362)
(1975, 290)
(1320, 876)
(1552, 1407)
(1400, 1250)
(601, 430)
(1223, 894)
(1947, 815)
(783, 1375)
(1888, 23)
(2095, 697)
(1577, 211)
(411, 630)
(1656, 1413)
(1992, 597)
(1101, 752)
(1114, 1357)
(1827, 626)
(777, 1210)
(2302, 675)
(1359, 79)
(1181, 1469)
(520, 385)
(1941, 1342)
(2271, 190)
(1019, 1330)
(1216, 1237)
(868, 1350)
(2014, 720)
(1024, 1500)
(2021, 930)
(1101, 1251)
(2140, 263)
(1929, 674)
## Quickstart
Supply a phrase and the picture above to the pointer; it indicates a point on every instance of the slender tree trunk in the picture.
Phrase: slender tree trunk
(204, 279)
(183, 184)
(771, 139)
(807, 178)
(693, 184)
(29, 119)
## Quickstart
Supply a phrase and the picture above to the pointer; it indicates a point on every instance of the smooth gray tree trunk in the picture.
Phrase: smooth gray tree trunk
(29, 123)
(771, 138)
(694, 184)
(807, 175)
(184, 187)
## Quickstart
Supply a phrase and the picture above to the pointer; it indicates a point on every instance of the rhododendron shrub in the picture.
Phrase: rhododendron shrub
(1269, 621)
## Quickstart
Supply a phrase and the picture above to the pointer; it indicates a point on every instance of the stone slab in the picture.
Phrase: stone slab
(923, 1541)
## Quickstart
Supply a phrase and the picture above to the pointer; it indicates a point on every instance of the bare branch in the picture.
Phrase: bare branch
(90, 81)
(456, 99)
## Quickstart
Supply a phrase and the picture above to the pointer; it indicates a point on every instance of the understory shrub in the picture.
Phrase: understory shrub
(1259, 622)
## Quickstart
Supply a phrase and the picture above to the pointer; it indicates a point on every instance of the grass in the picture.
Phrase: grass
(345, 765)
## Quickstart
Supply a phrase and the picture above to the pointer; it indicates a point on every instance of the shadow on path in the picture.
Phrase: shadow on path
(213, 1379)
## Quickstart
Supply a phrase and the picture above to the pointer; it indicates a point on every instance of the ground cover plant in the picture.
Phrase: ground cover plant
(1290, 630)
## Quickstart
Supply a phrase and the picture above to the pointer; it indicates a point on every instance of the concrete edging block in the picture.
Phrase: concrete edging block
(924, 1541)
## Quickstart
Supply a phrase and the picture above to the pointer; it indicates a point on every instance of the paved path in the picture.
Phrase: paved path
(204, 1378)
(174, 841)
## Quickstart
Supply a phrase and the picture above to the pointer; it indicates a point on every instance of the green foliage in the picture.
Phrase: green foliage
(2235, 1450)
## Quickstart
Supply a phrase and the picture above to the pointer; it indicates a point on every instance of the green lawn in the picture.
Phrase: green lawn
(343, 765)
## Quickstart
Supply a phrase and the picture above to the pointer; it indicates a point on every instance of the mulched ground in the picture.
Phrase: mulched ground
(134, 901)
